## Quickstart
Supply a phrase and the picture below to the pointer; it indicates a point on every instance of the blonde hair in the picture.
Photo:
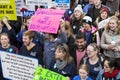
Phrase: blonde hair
(68, 29)
(85, 67)
(107, 28)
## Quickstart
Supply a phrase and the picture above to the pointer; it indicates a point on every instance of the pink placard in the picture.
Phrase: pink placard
(46, 20)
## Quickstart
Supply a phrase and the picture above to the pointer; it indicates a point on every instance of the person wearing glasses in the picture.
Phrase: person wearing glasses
(93, 60)
(64, 63)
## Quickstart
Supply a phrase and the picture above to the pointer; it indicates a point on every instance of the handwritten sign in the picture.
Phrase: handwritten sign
(16, 67)
(46, 20)
(45, 74)
(8, 9)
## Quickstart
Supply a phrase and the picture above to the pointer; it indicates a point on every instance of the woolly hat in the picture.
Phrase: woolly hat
(78, 8)
(87, 19)
(104, 10)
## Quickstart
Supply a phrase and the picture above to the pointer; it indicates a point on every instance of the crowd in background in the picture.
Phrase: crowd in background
(86, 46)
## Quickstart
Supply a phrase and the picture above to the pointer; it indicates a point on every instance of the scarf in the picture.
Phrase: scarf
(111, 75)
(60, 64)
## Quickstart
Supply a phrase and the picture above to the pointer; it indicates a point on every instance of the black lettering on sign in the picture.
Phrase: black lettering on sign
(10, 7)
(2, 12)
(9, 12)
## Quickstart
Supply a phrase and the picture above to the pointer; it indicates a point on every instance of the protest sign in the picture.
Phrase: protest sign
(45, 74)
(62, 4)
(19, 5)
(17, 67)
(46, 20)
(38, 2)
(8, 9)
(28, 13)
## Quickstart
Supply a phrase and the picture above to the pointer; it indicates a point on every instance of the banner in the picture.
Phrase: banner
(17, 67)
(8, 9)
(45, 74)
(46, 20)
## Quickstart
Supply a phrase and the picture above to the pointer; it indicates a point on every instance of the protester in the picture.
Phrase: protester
(92, 35)
(94, 11)
(68, 30)
(50, 40)
(93, 60)
(6, 45)
(78, 50)
(110, 41)
(6, 27)
(76, 19)
(83, 73)
(64, 63)
(31, 49)
(110, 71)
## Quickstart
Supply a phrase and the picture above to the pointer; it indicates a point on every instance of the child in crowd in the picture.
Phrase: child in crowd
(83, 73)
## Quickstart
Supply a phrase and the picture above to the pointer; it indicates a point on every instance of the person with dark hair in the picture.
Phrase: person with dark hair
(92, 35)
(110, 71)
(31, 49)
(64, 63)
(78, 50)
(94, 11)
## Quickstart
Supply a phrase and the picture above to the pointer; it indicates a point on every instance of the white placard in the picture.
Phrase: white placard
(38, 2)
(17, 67)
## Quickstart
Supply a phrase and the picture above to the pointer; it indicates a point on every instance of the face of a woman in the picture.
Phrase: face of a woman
(77, 14)
(112, 24)
(4, 40)
(104, 15)
(83, 73)
(107, 67)
(59, 54)
(86, 26)
(91, 52)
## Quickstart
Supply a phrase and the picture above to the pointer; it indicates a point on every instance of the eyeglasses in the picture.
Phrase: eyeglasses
(88, 51)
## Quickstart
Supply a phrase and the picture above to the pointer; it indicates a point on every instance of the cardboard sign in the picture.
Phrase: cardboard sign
(45, 74)
(46, 20)
(16, 67)
(8, 9)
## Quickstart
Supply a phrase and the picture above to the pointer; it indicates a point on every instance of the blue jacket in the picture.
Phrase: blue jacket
(49, 48)
(99, 77)
(79, 78)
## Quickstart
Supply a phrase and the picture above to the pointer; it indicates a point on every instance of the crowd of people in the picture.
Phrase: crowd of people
(82, 49)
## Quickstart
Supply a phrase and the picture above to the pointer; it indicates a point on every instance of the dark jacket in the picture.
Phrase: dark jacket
(91, 12)
(68, 71)
(35, 52)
